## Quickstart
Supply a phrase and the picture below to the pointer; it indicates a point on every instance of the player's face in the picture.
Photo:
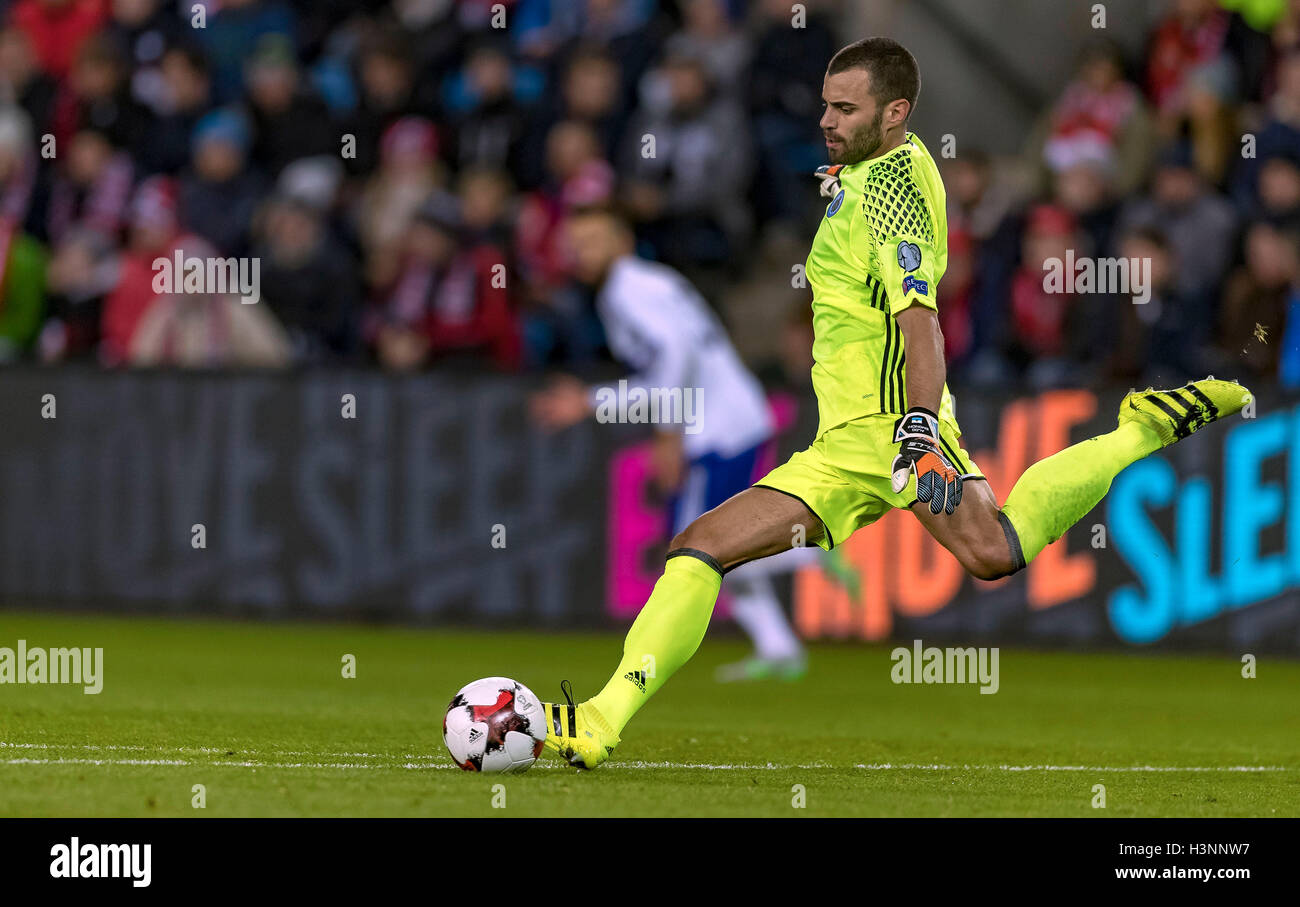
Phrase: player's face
(851, 123)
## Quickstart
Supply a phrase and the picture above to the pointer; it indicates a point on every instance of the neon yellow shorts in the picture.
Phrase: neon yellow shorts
(844, 476)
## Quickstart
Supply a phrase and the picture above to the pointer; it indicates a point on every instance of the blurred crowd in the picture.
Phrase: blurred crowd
(401, 172)
(1187, 158)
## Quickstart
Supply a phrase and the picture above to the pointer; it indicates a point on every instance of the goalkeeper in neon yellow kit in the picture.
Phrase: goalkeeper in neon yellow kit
(887, 434)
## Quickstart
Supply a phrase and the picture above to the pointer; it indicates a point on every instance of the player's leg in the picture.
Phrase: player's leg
(710, 480)
(755, 523)
(973, 532)
(1057, 492)
(757, 609)
(1049, 498)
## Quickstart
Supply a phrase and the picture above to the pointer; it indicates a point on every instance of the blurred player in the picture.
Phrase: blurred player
(657, 324)
(888, 435)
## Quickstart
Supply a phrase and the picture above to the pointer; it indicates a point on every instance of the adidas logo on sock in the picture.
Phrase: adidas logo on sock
(637, 677)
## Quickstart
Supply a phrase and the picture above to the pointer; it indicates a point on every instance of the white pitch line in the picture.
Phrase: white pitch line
(213, 750)
(418, 762)
(886, 766)
(224, 764)
(936, 767)
(96, 762)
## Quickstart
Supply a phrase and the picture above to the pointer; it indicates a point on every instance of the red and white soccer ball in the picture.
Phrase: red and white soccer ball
(494, 725)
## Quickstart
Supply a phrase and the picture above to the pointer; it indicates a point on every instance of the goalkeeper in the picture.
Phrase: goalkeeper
(888, 435)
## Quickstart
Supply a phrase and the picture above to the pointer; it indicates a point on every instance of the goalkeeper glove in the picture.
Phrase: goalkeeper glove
(829, 174)
(938, 481)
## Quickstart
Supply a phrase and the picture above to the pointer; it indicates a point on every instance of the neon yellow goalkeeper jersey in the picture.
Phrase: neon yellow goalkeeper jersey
(882, 247)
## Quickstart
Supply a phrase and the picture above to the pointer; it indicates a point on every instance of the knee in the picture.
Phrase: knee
(693, 536)
(987, 558)
(698, 539)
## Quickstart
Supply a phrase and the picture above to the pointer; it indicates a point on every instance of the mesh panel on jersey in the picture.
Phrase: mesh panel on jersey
(893, 203)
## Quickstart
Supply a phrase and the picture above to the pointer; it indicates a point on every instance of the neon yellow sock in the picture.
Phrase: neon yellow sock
(663, 637)
(1057, 492)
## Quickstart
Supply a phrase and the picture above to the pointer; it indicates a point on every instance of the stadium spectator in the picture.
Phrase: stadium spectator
(98, 96)
(1100, 118)
(1279, 188)
(437, 38)
(154, 232)
(23, 259)
(219, 193)
(487, 103)
(233, 33)
(56, 29)
(1284, 33)
(557, 315)
(247, 113)
(486, 197)
(386, 94)
(22, 290)
(289, 122)
(18, 172)
(77, 279)
(208, 330)
(1194, 33)
(21, 80)
(1009, 326)
(1162, 339)
(409, 172)
(590, 93)
(91, 188)
(977, 201)
(1258, 323)
(796, 344)
(1039, 342)
(1086, 190)
(631, 31)
(709, 35)
(784, 103)
(318, 183)
(449, 301)
(309, 280)
(955, 315)
(576, 175)
(1279, 133)
(1200, 224)
(182, 97)
(144, 30)
(1211, 118)
(682, 190)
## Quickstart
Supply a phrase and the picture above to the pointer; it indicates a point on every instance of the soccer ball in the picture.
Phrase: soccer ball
(494, 725)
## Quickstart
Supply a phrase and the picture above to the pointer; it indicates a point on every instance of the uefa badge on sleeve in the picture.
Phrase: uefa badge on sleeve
(909, 256)
(834, 206)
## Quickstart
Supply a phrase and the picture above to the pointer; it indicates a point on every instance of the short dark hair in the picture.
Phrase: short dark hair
(609, 210)
(1152, 235)
(192, 56)
(389, 45)
(893, 70)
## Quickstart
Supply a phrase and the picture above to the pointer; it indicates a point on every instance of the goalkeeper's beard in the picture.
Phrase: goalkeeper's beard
(862, 144)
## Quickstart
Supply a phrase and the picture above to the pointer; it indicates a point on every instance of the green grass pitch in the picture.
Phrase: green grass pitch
(261, 716)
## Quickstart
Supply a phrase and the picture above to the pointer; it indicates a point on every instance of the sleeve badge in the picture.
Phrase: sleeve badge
(909, 256)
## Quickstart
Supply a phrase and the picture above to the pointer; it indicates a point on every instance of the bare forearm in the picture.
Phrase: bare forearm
(926, 369)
